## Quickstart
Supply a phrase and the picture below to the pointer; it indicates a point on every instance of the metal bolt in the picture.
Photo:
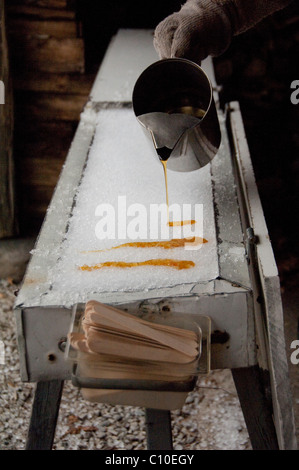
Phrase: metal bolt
(251, 237)
(62, 344)
(251, 240)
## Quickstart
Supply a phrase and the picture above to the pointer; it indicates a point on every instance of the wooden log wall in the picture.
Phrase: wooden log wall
(51, 87)
(8, 225)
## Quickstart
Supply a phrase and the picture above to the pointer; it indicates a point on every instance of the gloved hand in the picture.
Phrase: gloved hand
(206, 27)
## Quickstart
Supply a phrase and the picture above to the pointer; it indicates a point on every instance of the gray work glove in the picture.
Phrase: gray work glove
(206, 27)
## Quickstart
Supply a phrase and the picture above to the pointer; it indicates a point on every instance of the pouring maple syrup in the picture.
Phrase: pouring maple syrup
(171, 263)
(165, 244)
(164, 163)
(177, 223)
(164, 153)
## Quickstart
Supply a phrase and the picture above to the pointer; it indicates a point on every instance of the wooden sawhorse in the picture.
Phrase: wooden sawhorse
(255, 405)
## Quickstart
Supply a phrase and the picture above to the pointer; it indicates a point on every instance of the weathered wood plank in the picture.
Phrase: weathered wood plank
(7, 198)
(60, 4)
(44, 415)
(40, 172)
(48, 55)
(37, 138)
(75, 84)
(40, 151)
(158, 429)
(257, 410)
(35, 202)
(47, 107)
(57, 29)
(36, 12)
(36, 198)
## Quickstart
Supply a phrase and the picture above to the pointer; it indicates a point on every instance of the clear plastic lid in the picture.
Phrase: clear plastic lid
(94, 370)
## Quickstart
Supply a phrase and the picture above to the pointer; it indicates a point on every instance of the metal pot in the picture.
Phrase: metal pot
(173, 101)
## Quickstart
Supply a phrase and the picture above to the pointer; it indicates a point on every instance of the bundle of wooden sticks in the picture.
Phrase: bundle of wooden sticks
(116, 344)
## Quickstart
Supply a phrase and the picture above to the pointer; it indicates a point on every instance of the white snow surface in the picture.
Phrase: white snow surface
(124, 178)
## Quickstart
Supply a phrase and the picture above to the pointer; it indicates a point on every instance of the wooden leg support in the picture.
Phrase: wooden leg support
(44, 415)
(158, 429)
(257, 409)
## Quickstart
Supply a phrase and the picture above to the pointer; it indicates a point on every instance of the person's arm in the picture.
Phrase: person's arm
(206, 27)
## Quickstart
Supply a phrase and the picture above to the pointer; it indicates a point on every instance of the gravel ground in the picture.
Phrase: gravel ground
(211, 418)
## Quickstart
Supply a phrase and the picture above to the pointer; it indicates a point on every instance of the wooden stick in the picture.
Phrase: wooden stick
(131, 323)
